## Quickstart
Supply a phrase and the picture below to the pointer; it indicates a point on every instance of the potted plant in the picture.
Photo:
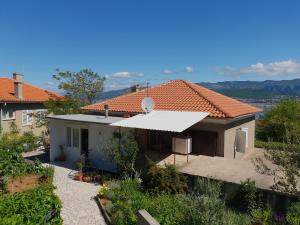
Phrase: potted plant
(78, 176)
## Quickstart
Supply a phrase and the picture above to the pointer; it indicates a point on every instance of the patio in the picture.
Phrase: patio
(231, 170)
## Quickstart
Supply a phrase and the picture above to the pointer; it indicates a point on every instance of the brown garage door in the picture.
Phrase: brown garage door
(204, 143)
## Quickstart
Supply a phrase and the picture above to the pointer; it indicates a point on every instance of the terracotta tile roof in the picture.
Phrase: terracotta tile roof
(178, 95)
(30, 93)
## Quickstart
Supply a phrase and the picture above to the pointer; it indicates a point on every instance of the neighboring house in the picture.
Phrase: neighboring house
(19, 101)
(178, 123)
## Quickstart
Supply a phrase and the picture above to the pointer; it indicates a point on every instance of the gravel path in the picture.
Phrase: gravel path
(79, 207)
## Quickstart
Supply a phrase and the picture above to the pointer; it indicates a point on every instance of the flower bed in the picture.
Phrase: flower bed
(33, 200)
(33, 206)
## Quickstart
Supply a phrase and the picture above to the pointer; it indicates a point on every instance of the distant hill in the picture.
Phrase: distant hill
(268, 89)
(256, 89)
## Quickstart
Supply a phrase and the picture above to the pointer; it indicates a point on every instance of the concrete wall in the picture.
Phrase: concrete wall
(229, 139)
(18, 108)
(99, 138)
(144, 218)
(226, 130)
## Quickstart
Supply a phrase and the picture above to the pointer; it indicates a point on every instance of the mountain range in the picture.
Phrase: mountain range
(268, 89)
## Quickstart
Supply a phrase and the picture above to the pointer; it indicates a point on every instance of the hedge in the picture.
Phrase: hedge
(276, 146)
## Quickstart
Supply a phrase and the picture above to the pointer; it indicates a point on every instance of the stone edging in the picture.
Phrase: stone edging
(103, 211)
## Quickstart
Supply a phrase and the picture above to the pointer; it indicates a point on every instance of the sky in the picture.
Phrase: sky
(138, 41)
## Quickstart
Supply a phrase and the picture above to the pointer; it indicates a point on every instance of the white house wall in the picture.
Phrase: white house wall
(99, 138)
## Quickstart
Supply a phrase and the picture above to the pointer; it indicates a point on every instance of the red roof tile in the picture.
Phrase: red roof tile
(30, 93)
(178, 95)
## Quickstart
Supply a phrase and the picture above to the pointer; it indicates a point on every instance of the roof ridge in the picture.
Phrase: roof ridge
(210, 102)
(50, 92)
(128, 94)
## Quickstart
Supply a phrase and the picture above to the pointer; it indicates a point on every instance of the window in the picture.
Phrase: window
(69, 136)
(27, 117)
(8, 115)
(76, 137)
(73, 137)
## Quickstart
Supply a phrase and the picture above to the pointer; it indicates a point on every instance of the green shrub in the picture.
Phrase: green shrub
(293, 214)
(246, 198)
(164, 179)
(276, 145)
(262, 216)
(201, 207)
(206, 186)
(232, 218)
(19, 142)
(30, 207)
(12, 164)
(202, 210)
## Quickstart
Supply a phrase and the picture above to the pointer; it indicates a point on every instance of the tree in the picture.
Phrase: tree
(285, 164)
(281, 118)
(281, 124)
(83, 86)
(122, 150)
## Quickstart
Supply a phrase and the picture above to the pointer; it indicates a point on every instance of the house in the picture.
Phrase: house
(19, 101)
(187, 120)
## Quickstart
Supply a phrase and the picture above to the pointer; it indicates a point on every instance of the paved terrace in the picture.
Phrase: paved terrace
(230, 170)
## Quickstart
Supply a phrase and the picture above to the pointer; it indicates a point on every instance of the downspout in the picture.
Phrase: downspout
(1, 107)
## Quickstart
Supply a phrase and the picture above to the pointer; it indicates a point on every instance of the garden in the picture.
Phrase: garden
(26, 190)
(174, 198)
(171, 198)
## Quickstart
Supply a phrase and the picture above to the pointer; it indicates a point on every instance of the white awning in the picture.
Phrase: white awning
(163, 120)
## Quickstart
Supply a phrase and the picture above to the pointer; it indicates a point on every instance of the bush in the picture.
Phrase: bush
(201, 209)
(262, 216)
(293, 214)
(19, 142)
(30, 207)
(276, 146)
(128, 198)
(206, 186)
(164, 179)
(246, 198)
(232, 218)
(12, 164)
(122, 151)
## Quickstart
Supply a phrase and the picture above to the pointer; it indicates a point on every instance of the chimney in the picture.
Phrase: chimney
(18, 84)
(106, 110)
(135, 88)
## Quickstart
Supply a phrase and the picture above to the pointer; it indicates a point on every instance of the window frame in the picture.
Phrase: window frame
(29, 118)
(6, 113)
(70, 143)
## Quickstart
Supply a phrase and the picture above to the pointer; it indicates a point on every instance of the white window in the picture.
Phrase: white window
(76, 137)
(8, 115)
(72, 137)
(69, 137)
(27, 117)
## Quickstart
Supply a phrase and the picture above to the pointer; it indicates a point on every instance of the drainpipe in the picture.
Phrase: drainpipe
(1, 107)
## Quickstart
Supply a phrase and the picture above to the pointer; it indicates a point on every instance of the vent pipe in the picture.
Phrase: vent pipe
(106, 110)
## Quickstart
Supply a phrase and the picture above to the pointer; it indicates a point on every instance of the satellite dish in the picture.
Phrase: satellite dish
(147, 104)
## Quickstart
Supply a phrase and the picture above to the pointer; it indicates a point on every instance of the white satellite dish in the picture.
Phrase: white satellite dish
(147, 104)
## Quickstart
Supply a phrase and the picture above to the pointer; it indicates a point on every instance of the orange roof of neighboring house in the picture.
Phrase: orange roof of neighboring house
(30, 93)
(178, 95)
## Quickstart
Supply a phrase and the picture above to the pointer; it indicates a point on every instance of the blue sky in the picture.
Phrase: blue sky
(155, 41)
